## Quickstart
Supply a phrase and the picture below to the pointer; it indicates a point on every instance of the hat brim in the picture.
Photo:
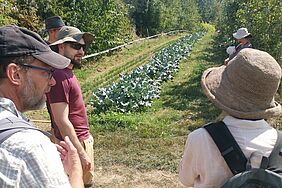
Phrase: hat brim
(237, 36)
(222, 95)
(53, 59)
(87, 37)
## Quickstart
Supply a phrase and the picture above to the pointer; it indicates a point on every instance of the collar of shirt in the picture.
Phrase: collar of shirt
(8, 109)
(235, 122)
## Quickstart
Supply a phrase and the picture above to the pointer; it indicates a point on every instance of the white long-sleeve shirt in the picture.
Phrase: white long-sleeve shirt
(202, 165)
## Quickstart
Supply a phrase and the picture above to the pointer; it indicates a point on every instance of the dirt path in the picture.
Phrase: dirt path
(122, 176)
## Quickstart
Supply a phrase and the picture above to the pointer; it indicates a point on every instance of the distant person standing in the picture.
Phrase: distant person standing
(65, 103)
(243, 37)
(52, 26)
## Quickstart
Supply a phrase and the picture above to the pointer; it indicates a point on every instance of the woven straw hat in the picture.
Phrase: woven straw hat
(245, 88)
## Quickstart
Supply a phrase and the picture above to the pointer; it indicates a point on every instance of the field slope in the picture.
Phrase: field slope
(144, 149)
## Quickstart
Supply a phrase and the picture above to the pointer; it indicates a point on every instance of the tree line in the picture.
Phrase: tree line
(115, 22)
(262, 18)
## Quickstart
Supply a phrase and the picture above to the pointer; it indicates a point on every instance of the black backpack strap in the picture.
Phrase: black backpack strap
(11, 125)
(275, 158)
(228, 147)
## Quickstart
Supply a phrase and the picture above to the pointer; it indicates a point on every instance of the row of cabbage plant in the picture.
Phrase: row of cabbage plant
(135, 91)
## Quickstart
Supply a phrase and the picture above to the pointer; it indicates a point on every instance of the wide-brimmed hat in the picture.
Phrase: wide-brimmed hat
(245, 88)
(73, 34)
(17, 41)
(53, 22)
(241, 33)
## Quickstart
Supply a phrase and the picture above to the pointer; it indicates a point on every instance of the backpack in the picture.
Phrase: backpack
(268, 175)
(11, 125)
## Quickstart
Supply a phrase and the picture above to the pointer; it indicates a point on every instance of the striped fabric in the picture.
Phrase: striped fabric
(28, 158)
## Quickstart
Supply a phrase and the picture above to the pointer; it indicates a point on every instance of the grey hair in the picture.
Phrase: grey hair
(5, 61)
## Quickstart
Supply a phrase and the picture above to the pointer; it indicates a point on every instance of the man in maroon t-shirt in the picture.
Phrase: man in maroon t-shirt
(65, 103)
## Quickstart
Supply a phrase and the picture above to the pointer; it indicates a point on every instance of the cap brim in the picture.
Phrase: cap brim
(61, 41)
(87, 37)
(53, 59)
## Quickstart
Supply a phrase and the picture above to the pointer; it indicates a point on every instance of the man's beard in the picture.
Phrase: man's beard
(32, 100)
(76, 63)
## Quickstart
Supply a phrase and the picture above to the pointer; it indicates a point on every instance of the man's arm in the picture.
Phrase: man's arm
(60, 113)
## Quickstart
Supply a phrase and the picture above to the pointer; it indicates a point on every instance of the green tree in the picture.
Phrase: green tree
(262, 18)
(6, 10)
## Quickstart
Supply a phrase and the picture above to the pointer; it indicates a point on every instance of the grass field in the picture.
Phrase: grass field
(144, 149)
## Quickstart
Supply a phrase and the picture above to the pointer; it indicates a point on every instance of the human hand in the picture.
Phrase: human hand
(85, 161)
(69, 156)
(226, 61)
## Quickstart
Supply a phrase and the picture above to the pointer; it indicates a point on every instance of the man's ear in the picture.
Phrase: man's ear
(61, 48)
(13, 73)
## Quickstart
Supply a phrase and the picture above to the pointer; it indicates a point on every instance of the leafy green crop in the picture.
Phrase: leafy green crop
(135, 91)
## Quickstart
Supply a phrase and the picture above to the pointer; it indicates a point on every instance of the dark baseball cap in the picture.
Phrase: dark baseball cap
(17, 41)
(53, 23)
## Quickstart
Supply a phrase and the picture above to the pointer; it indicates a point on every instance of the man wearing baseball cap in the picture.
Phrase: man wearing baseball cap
(52, 25)
(27, 157)
(65, 103)
(243, 37)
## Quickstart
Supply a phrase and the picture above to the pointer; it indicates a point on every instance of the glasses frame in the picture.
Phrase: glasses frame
(76, 45)
(49, 71)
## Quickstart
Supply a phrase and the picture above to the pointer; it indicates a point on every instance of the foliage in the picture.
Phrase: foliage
(20, 12)
(6, 8)
(262, 18)
(155, 16)
(145, 15)
(135, 91)
(115, 22)
(107, 20)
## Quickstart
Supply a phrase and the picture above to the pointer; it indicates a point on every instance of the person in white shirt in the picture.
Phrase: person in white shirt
(243, 37)
(245, 91)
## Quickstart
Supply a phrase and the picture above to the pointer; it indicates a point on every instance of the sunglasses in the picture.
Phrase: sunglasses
(76, 46)
(49, 71)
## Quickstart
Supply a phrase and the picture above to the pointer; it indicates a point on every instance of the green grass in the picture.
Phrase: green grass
(99, 72)
(154, 139)
(104, 71)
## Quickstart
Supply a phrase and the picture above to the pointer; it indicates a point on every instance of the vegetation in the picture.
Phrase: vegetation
(152, 140)
(115, 22)
(136, 90)
(262, 18)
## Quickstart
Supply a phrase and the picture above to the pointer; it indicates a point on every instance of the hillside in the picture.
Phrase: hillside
(144, 149)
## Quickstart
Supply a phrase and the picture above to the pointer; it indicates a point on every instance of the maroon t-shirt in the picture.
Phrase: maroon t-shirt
(67, 89)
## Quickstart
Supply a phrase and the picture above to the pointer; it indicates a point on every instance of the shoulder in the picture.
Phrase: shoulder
(199, 139)
(62, 74)
(198, 134)
(28, 141)
(35, 157)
